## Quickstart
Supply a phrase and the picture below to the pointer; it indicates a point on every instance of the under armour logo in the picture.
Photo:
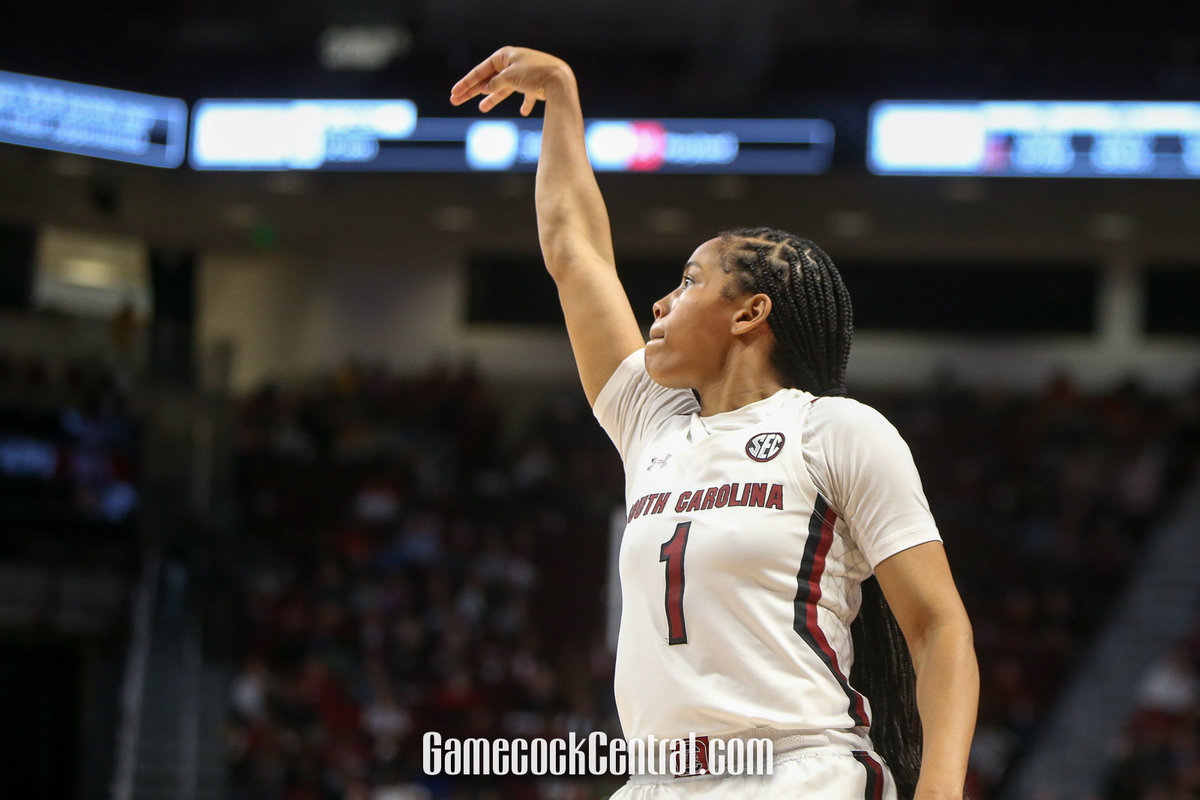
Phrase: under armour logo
(658, 462)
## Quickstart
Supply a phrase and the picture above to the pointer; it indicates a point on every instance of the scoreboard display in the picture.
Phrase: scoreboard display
(296, 134)
(92, 121)
(906, 137)
(388, 136)
(1036, 139)
(746, 146)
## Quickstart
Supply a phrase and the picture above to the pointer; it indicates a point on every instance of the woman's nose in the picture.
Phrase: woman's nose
(660, 307)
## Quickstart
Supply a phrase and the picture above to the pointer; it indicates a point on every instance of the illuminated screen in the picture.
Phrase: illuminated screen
(298, 134)
(1037, 139)
(749, 146)
(295, 135)
(91, 121)
(64, 467)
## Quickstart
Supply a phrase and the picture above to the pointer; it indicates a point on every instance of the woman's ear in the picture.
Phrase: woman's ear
(752, 313)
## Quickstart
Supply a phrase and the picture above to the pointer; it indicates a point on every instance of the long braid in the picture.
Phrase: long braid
(793, 334)
(813, 323)
(883, 671)
(812, 288)
(809, 342)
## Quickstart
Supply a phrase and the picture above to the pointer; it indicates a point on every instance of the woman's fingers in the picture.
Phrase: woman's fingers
(495, 98)
(497, 89)
(475, 82)
(508, 70)
(472, 85)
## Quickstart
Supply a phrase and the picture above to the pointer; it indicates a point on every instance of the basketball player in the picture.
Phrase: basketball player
(760, 503)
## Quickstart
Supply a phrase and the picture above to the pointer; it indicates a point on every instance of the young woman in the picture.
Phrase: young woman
(760, 503)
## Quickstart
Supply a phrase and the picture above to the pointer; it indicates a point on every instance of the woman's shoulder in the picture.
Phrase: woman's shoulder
(842, 416)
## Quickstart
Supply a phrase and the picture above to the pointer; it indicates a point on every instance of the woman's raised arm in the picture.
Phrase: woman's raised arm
(572, 220)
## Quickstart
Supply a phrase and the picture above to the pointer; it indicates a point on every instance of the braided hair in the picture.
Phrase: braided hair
(813, 324)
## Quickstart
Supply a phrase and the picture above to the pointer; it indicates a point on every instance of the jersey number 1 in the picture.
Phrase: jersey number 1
(672, 552)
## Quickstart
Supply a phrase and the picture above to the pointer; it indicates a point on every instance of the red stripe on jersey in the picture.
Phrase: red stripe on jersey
(808, 594)
(874, 788)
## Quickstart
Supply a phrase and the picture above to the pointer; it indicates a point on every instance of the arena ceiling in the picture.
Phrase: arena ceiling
(634, 56)
(653, 58)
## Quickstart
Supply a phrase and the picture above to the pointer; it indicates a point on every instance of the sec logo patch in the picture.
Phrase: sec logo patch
(764, 446)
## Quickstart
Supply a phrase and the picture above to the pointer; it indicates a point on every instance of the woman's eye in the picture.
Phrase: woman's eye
(687, 281)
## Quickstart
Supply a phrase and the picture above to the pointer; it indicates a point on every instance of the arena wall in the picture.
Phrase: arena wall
(287, 319)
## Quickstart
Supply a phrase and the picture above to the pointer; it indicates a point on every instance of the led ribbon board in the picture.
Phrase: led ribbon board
(747, 146)
(298, 134)
(92, 121)
(1036, 139)
(294, 135)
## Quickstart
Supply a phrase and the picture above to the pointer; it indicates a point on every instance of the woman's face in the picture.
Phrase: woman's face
(692, 328)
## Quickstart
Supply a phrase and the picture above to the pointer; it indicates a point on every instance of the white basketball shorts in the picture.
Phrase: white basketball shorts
(811, 773)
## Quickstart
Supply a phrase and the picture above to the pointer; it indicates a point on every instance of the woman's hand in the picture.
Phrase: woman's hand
(513, 69)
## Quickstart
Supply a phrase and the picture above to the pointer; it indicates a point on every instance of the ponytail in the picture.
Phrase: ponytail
(883, 672)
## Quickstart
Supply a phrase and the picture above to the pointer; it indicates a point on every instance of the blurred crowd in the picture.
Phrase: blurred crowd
(416, 572)
(1043, 501)
(1159, 754)
(418, 560)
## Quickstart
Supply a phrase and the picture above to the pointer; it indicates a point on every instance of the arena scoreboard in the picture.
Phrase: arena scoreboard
(1036, 139)
(297, 134)
(388, 136)
(992, 138)
(746, 146)
(92, 121)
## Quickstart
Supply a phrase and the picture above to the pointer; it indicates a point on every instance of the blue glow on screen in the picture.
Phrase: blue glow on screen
(92, 121)
(389, 136)
(295, 134)
(612, 145)
(1036, 139)
(780, 146)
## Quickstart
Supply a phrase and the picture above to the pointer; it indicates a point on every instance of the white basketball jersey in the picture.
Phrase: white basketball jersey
(739, 576)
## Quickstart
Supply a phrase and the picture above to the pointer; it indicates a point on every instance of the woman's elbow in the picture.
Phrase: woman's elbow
(943, 630)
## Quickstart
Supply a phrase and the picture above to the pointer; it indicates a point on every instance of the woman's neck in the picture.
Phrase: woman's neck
(733, 390)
